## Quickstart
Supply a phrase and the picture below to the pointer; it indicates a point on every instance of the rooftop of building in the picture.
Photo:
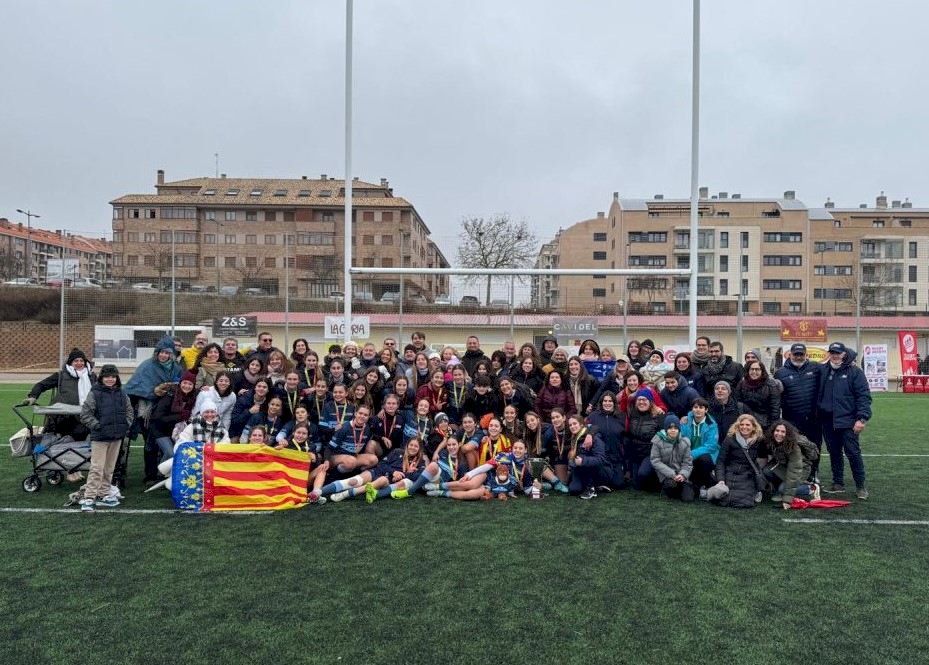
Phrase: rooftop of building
(56, 238)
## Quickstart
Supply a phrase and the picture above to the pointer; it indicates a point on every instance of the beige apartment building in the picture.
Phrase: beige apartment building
(93, 255)
(786, 257)
(244, 231)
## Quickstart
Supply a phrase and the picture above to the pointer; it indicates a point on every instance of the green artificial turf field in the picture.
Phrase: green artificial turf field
(627, 578)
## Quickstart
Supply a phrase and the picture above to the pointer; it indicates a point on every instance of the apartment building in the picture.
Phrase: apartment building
(785, 257)
(582, 245)
(249, 232)
(94, 255)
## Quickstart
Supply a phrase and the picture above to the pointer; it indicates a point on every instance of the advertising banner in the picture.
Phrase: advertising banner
(816, 354)
(907, 342)
(875, 366)
(804, 330)
(599, 368)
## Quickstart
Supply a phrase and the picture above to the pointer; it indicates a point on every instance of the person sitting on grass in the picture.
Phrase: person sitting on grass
(498, 483)
(205, 427)
(272, 420)
(703, 434)
(107, 414)
(790, 464)
(738, 471)
(494, 443)
(300, 440)
(420, 424)
(401, 466)
(349, 443)
(587, 459)
(258, 435)
(387, 427)
(672, 461)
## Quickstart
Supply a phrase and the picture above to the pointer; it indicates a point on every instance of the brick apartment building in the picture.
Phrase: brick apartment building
(787, 258)
(232, 231)
(94, 255)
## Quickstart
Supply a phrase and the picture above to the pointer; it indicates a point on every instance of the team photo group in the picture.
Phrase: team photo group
(396, 421)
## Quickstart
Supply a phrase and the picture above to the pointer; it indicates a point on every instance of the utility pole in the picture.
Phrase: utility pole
(29, 215)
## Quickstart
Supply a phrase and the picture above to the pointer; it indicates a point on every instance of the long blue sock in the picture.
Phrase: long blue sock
(384, 492)
(424, 478)
(333, 487)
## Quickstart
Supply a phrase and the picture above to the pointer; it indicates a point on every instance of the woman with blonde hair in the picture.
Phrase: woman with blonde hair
(738, 467)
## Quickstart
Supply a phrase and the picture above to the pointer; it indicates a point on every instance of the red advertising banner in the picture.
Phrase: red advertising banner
(909, 365)
(916, 383)
(803, 330)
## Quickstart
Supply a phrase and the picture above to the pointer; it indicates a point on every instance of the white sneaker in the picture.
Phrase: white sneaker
(87, 505)
(339, 496)
(757, 497)
(815, 491)
(114, 492)
(431, 487)
(703, 493)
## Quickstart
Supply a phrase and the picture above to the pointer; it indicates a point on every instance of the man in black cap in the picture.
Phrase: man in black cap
(844, 409)
(801, 378)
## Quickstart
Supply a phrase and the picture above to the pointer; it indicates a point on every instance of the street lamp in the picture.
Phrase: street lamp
(29, 215)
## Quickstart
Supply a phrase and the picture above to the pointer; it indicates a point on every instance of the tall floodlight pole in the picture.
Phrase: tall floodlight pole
(347, 244)
(28, 263)
(286, 292)
(173, 282)
(694, 175)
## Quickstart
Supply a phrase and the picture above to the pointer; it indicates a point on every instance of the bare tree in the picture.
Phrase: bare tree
(881, 286)
(11, 266)
(497, 242)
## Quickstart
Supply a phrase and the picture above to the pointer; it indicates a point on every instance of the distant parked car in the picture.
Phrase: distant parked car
(499, 302)
(113, 284)
(200, 288)
(442, 299)
(418, 299)
(390, 296)
(22, 281)
(336, 295)
(469, 301)
(86, 283)
(255, 292)
(56, 282)
(228, 290)
(144, 286)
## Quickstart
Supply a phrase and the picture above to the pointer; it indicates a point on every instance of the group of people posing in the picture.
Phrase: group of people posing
(378, 422)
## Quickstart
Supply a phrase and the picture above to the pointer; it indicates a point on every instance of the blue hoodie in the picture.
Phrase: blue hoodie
(151, 373)
(704, 439)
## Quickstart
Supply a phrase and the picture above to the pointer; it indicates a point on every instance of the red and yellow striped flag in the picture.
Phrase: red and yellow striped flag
(253, 477)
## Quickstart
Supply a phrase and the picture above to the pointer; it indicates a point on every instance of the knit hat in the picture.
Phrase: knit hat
(75, 354)
(654, 351)
(440, 418)
(672, 420)
(644, 392)
(108, 370)
(647, 342)
(189, 376)
(727, 385)
(208, 405)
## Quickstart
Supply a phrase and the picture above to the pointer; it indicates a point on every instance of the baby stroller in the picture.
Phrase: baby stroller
(56, 454)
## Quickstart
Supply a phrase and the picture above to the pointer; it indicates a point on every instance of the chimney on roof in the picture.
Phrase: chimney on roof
(704, 192)
(659, 197)
(863, 206)
(907, 204)
(222, 175)
(355, 179)
(714, 197)
(829, 203)
(384, 182)
(790, 195)
(737, 196)
(600, 214)
(161, 176)
(303, 177)
(616, 196)
(881, 200)
(724, 195)
(323, 177)
(895, 203)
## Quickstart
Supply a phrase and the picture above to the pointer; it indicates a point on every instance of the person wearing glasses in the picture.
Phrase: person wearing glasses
(844, 411)
(801, 378)
(264, 348)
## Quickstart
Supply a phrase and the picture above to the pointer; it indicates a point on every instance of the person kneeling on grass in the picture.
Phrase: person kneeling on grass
(672, 461)
(349, 442)
(107, 414)
(300, 440)
(791, 462)
(738, 466)
(401, 466)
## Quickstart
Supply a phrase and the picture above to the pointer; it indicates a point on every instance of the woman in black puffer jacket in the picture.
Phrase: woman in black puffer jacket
(760, 393)
(645, 420)
(738, 467)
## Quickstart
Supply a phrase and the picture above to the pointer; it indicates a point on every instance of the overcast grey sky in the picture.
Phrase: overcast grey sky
(539, 109)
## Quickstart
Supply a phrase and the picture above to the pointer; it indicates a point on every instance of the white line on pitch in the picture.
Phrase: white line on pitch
(804, 520)
(132, 511)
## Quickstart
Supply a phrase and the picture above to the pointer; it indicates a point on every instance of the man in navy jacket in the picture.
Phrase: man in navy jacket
(844, 410)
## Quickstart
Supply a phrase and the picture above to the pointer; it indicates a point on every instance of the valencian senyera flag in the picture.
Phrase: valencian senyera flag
(233, 476)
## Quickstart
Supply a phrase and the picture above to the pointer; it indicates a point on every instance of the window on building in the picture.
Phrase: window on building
(209, 261)
(837, 224)
(148, 260)
(303, 193)
(117, 236)
(368, 262)
(783, 260)
(133, 213)
(652, 261)
(912, 249)
(912, 297)
(209, 238)
(794, 307)
(132, 260)
(781, 284)
(744, 263)
(387, 240)
(251, 261)
(150, 213)
(185, 260)
(878, 223)
(599, 256)
(291, 262)
(724, 240)
(133, 236)
(599, 276)
(117, 213)
(387, 262)
(647, 236)
(599, 293)
(270, 262)
(232, 192)
(288, 215)
(367, 216)
(176, 212)
(367, 240)
(724, 287)
(210, 215)
(724, 263)
(209, 192)
(270, 239)
(658, 307)
(229, 239)
(744, 287)
(743, 235)
(230, 215)
(325, 193)
(599, 237)
(230, 262)
(280, 192)
(251, 216)
(771, 307)
(782, 236)
(387, 216)
(912, 273)
(830, 271)
(150, 236)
